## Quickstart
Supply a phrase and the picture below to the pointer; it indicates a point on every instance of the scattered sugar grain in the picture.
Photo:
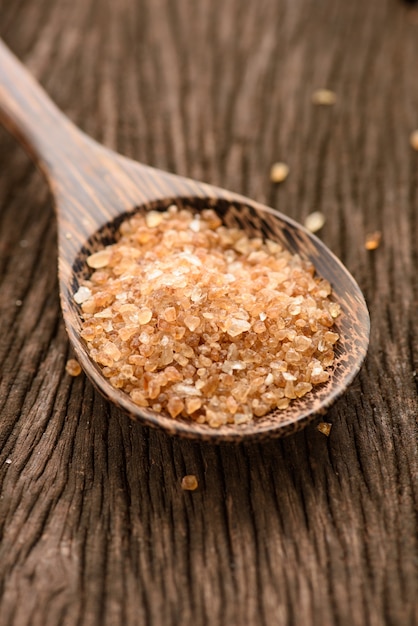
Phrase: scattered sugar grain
(73, 368)
(315, 221)
(189, 482)
(373, 240)
(324, 428)
(279, 172)
(324, 97)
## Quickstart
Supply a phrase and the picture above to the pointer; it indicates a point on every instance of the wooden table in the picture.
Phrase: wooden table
(309, 530)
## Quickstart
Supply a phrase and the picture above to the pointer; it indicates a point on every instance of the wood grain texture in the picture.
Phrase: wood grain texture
(95, 528)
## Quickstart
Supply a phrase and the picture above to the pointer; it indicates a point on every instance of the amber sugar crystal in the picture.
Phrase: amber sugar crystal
(189, 482)
(72, 367)
(197, 320)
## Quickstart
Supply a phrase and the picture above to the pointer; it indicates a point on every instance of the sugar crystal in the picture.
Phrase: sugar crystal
(72, 367)
(189, 482)
(82, 294)
(99, 259)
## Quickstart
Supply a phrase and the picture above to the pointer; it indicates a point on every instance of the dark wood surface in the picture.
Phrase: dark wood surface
(95, 528)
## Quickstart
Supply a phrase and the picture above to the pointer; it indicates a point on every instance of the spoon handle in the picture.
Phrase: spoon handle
(90, 183)
(84, 177)
(48, 136)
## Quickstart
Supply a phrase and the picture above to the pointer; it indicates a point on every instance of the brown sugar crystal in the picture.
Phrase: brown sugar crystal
(279, 172)
(198, 321)
(189, 482)
(72, 367)
(373, 240)
(324, 428)
(324, 97)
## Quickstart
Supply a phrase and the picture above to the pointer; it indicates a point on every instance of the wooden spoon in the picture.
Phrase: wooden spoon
(94, 189)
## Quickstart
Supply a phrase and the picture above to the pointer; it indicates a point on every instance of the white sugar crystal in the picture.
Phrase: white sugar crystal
(82, 295)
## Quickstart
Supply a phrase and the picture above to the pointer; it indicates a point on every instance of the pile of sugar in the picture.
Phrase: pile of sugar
(194, 319)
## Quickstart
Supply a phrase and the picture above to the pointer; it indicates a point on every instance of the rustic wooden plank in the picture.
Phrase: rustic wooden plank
(310, 530)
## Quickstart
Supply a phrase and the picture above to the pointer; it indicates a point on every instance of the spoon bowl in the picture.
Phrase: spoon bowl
(95, 189)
